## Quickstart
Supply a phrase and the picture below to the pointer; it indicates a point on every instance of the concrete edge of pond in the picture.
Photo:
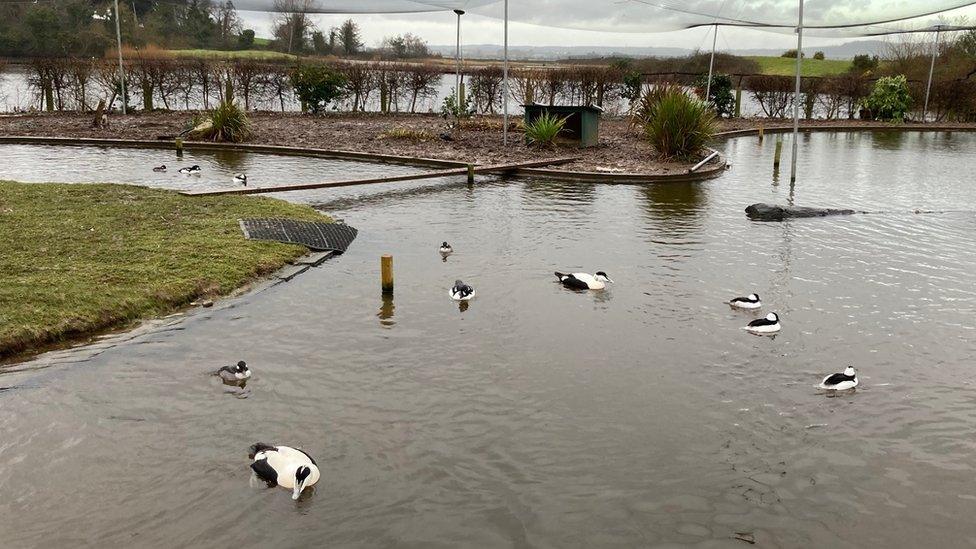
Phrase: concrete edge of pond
(714, 169)
(583, 176)
(246, 147)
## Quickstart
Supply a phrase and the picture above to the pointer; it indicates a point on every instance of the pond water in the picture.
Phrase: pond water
(539, 416)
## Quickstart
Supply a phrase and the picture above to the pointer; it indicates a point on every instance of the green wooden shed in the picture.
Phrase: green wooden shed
(582, 122)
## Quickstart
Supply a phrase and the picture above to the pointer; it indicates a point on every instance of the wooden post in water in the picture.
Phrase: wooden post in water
(738, 101)
(779, 152)
(179, 147)
(386, 268)
(470, 173)
(760, 133)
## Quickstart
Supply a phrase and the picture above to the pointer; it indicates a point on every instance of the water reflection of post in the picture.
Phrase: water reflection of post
(386, 312)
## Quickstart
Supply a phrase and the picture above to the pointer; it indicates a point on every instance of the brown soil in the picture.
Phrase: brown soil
(621, 149)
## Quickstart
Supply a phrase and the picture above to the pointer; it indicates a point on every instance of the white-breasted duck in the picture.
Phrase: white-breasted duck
(237, 372)
(241, 179)
(840, 382)
(750, 301)
(192, 170)
(284, 466)
(584, 281)
(461, 291)
(769, 324)
(446, 249)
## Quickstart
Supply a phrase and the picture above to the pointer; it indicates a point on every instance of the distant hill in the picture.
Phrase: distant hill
(491, 51)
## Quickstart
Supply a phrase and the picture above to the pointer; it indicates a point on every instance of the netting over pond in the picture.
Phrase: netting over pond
(643, 16)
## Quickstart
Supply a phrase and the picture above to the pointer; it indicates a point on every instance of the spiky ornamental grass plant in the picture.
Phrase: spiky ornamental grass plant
(679, 125)
(542, 131)
(228, 122)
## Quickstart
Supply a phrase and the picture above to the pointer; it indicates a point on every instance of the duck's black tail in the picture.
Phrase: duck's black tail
(258, 447)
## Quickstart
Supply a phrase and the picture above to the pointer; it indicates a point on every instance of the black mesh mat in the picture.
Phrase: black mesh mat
(313, 234)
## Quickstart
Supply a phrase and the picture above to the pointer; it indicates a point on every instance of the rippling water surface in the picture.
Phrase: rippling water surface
(541, 417)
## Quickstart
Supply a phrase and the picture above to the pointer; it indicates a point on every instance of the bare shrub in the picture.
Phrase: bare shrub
(773, 93)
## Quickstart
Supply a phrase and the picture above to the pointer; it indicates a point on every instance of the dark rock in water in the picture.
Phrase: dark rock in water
(771, 212)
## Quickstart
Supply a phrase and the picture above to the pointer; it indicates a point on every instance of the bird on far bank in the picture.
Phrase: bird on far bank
(461, 291)
(192, 170)
(237, 372)
(241, 179)
(840, 382)
(446, 249)
(584, 281)
(751, 301)
(284, 466)
(769, 324)
(160, 168)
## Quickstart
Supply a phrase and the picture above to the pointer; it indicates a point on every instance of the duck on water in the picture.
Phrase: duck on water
(584, 281)
(841, 381)
(766, 325)
(750, 301)
(235, 373)
(461, 291)
(284, 466)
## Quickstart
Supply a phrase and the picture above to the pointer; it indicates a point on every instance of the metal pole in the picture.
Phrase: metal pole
(928, 87)
(505, 78)
(118, 39)
(796, 93)
(711, 64)
(457, 59)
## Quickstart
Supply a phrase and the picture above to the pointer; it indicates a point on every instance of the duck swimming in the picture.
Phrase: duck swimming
(766, 325)
(192, 170)
(584, 281)
(751, 301)
(241, 178)
(160, 168)
(446, 250)
(840, 382)
(284, 466)
(461, 291)
(238, 372)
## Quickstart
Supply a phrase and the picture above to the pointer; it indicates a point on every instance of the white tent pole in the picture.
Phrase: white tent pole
(505, 78)
(928, 87)
(796, 92)
(118, 39)
(711, 64)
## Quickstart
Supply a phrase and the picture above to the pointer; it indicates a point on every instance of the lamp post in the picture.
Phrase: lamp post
(928, 87)
(796, 93)
(457, 58)
(711, 64)
(118, 39)
(505, 78)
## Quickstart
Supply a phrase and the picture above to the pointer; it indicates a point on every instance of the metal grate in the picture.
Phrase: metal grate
(315, 235)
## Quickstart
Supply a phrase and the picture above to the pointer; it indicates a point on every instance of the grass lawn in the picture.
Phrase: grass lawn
(258, 55)
(77, 259)
(785, 66)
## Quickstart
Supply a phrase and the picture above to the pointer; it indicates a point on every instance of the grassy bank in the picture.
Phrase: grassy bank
(786, 66)
(77, 259)
(256, 55)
